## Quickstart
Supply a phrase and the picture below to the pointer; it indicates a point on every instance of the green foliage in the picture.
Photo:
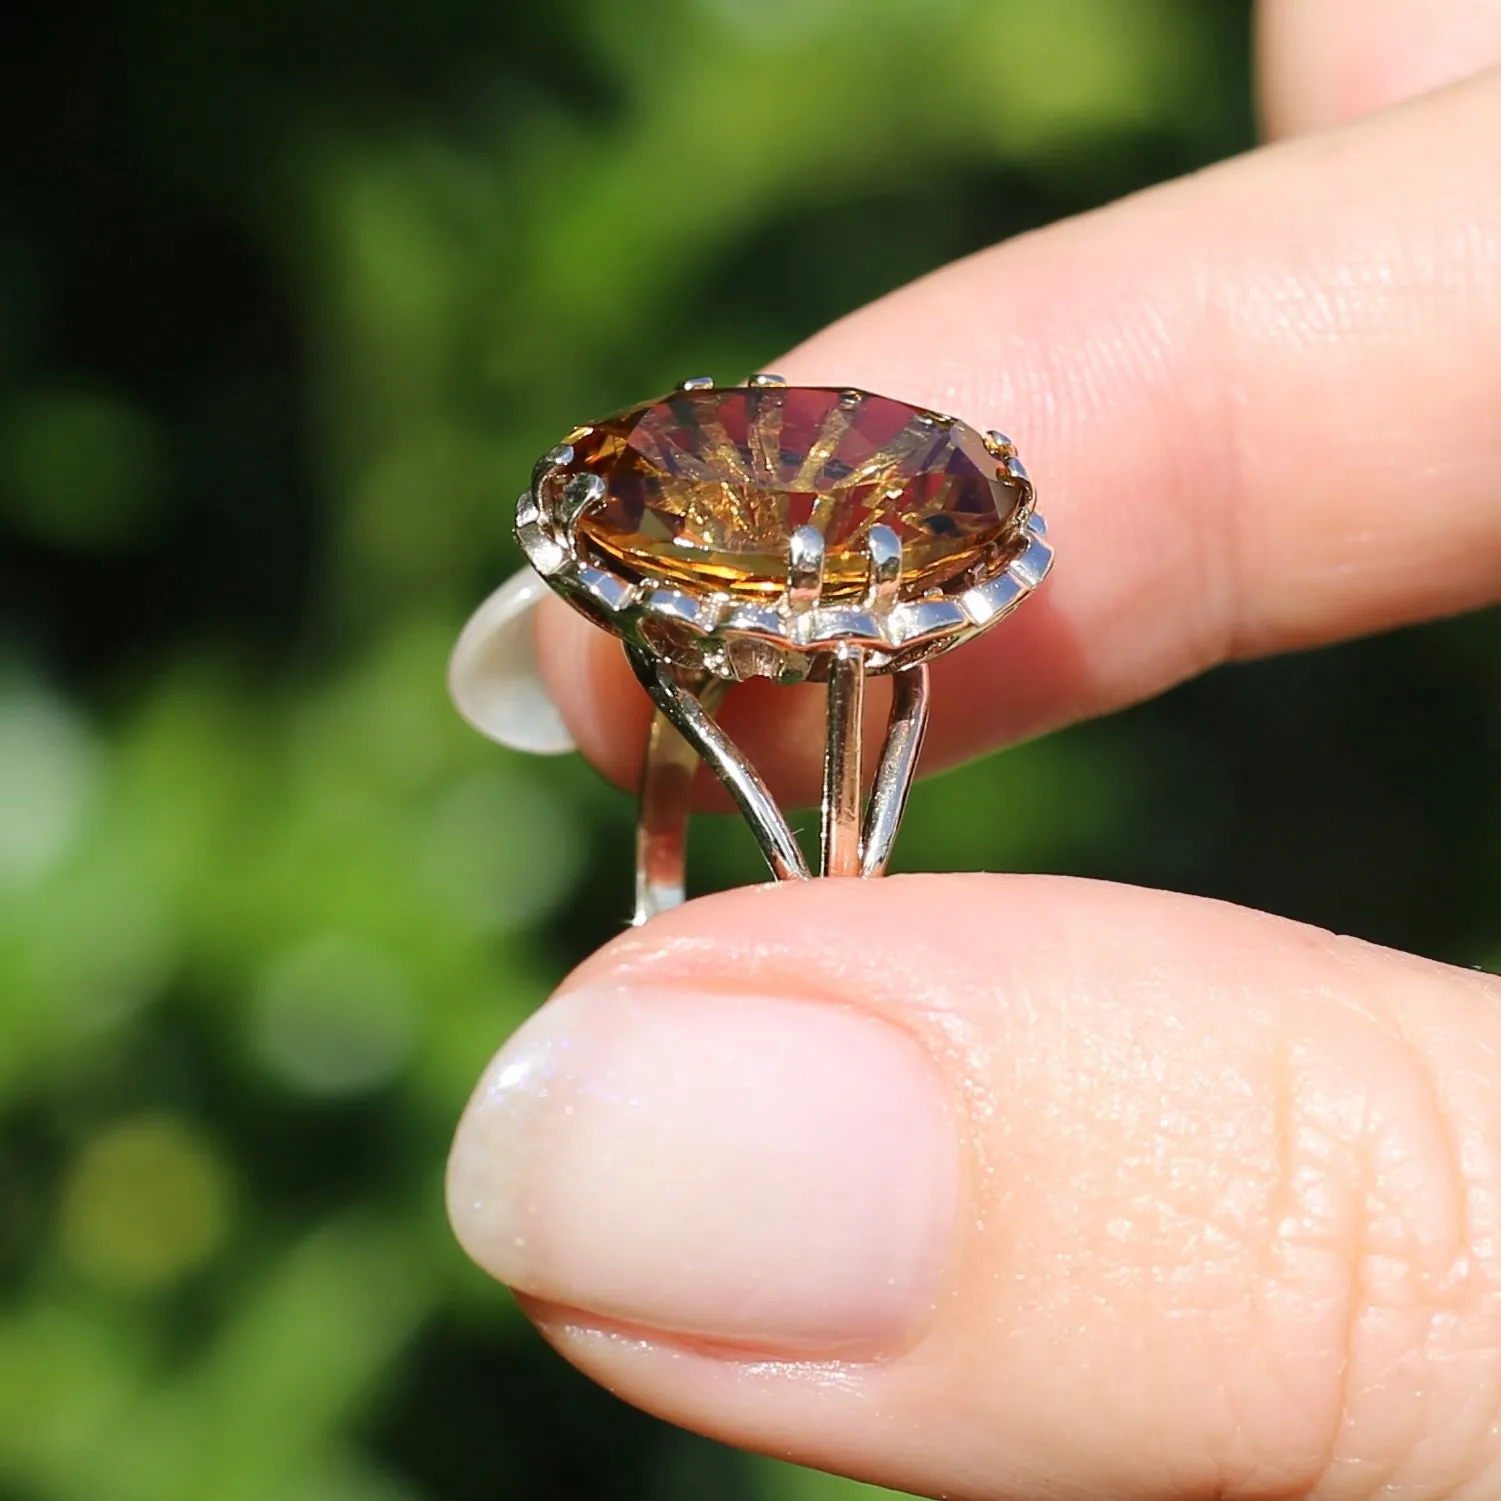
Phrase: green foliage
(281, 332)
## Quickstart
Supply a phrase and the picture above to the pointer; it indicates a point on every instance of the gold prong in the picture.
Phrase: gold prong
(885, 549)
(767, 379)
(1000, 445)
(805, 553)
(697, 383)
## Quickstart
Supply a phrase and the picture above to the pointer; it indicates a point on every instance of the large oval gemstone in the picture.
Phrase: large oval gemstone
(704, 489)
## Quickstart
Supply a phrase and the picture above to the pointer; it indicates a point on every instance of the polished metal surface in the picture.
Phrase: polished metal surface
(672, 758)
(688, 646)
(896, 769)
(885, 568)
(793, 636)
(805, 553)
(841, 765)
(699, 728)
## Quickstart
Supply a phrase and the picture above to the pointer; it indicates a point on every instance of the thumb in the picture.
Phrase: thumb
(999, 1186)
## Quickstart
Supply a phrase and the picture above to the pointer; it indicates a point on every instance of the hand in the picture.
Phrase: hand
(1002, 1186)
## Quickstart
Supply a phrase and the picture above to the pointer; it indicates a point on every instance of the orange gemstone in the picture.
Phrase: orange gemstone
(704, 489)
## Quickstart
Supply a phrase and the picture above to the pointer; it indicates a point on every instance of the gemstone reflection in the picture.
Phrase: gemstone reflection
(704, 488)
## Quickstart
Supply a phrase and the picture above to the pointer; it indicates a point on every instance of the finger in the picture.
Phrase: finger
(1259, 405)
(1323, 62)
(994, 1187)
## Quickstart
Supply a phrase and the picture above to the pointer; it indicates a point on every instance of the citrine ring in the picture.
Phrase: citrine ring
(766, 530)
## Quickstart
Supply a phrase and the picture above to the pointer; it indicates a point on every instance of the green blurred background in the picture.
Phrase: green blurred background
(291, 294)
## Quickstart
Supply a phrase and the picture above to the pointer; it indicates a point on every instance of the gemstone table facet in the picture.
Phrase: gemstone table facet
(703, 490)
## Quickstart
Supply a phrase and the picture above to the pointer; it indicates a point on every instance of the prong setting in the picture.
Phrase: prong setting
(668, 525)
(552, 463)
(794, 635)
(577, 495)
(885, 549)
(805, 556)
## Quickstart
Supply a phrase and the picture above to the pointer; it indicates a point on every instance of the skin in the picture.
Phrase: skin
(1220, 1194)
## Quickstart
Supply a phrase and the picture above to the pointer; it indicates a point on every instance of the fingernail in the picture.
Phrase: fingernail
(766, 1172)
(493, 677)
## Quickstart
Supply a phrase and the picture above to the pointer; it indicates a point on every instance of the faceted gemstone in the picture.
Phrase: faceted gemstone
(703, 489)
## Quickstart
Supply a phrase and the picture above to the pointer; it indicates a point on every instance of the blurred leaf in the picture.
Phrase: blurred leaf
(49, 768)
(146, 1202)
(334, 1016)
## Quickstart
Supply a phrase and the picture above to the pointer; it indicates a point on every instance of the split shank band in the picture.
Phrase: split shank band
(795, 533)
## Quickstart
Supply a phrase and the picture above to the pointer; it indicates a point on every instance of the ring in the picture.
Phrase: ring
(797, 533)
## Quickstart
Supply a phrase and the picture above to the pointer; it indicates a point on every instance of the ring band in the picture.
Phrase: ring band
(795, 533)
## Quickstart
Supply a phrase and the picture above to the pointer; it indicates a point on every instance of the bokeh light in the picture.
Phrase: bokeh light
(143, 1204)
(335, 1016)
(48, 771)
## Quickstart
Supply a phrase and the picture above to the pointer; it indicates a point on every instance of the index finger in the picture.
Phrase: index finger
(1260, 406)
